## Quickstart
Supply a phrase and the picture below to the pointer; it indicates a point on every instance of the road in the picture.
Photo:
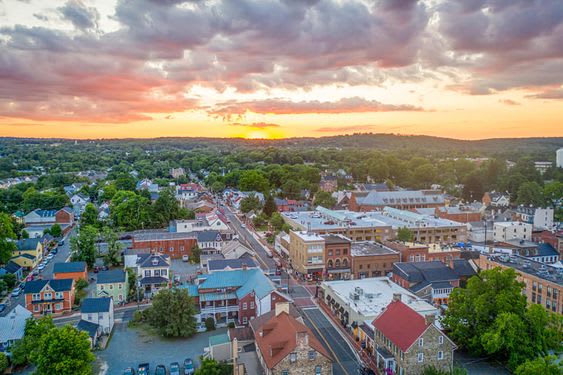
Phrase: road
(121, 314)
(63, 252)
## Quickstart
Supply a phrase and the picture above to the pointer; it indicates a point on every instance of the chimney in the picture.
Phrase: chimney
(429, 319)
(396, 297)
(282, 307)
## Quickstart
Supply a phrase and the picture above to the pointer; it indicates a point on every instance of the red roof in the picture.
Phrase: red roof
(401, 324)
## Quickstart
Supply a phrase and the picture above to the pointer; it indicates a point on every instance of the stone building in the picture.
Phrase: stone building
(407, 342)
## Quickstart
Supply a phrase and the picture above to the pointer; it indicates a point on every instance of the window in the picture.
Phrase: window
(251, 304)
(90, 317)
(147, 273)
(421, 342)
(420, 357)
(440, 355)
(293, 357)
(312, 355)
(244, 305)
(330, 253)
(120, 297)
(182, 248)
(244, 320)
(48, 296)
(36, 308)
(337, 251)
(120, 286)
(163, 272)
(157, 272)
(441, 340)
(318, 370)
(110, 286)
(36, 297)
(344, 251)
(285, 372)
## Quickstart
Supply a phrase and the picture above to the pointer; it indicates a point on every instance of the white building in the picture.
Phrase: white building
(357, 301)
(98, 311)
(12, 327)
(509, 230)
(559, 158)
(540, 218)
(542, 166)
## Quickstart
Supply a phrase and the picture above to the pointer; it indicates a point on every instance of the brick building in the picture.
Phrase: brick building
(372, 259)
(70, 270)
(49, 296)
(337, 257)
(417, 252)
(174, 245)
(460, 214)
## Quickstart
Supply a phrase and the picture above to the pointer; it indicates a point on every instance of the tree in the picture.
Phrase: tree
(210, 324)
(165, 208)
(324, 199)
(56, 231)
(125, 182)
(431, 370)
(270, 206)
(530, 193)
(195, 256)
(217, 186)
(553, 192)
(64, 351)
(210, 366)
(132, 283)
(10, 280)
(83, 246)
(6, 236)
(540, 366)
(250, 203)
(3, 363)
(253, 180)
(404, 234)
(24, 349)
(112, 257)
(473, 187)
(277, 221)
(172, 313)
(89, 216)
(130, 211)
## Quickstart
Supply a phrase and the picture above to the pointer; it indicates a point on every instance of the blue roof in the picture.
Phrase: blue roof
(69, 267)
(246, 280)
(90, 328)
(546, 249)
(45, 213)
(61, 285)
(27, 244)
(111, 276)
(191, 288)
(96, 305)
(221, 264)
(208, 236)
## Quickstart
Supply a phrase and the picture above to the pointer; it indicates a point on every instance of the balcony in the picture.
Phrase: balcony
(218, 309)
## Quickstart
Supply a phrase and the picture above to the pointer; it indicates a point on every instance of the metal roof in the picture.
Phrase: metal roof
(111, 276)
(96, 305)
(68, 267)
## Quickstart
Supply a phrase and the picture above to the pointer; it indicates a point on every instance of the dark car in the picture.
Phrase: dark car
(160, 370)
(174, 368)
(129, 371)
(2, 307)
(144, 369)
(54, 251)
(61, 242)
(189, 367)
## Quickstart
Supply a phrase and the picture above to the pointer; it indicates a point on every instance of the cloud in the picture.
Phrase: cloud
(508, 102)
(256, 125)
(81, 16)
(548, 94)
(345, 129)
(228, 110)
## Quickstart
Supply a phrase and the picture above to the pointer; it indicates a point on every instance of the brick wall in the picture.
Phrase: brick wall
(373, 265)
(175, 248)
(250, 311)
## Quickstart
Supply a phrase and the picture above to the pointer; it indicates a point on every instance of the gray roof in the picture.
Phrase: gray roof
(391, 198)
(154, 280)
(90, 328)
(161, 235)
(96, 305)
(67, 267)
(208, 236)
(12, 326)
(462, 267)
(111, 276)
(424, 271)
(153, 260)
(369, 248)
(27, 244)
(546, 249)
(221, 264)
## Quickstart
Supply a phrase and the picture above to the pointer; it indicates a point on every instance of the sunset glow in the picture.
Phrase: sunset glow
(271, 69)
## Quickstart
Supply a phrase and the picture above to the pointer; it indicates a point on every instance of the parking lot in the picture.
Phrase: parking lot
(130, 347)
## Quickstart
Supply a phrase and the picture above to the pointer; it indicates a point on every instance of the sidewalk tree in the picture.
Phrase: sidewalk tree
(132, 283)
(195, 256)
(250, 203)
(172, 313)
(56, 231)
(83, 246)
(6, 236)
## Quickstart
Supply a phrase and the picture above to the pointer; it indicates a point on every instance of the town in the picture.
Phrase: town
(342, 277)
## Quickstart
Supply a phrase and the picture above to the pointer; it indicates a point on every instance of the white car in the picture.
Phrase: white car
(50, 256)
(243, 226)
(185, 258)
(41, 267)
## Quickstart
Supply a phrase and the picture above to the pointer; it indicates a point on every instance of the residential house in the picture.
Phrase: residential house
(114, 284)
(28, 253)
(177, 172)
(74, 188)
(70, 270)
(153, 271)
(79, 200)
(92, 329)
(407, 342)
(209, 239)
(285, 346)
(12, 268)
(235, 249)
(98, 311)
(496, 199)
(143, 184)
(328, 183)
(63, 216)
(174, 245)
(220, 347)
(461, 214)
(508, 230)
(49, 296)
(540, 218)
(12, 327)
(477, 231)
(217, 265)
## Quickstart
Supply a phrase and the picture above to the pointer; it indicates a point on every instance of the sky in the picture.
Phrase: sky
(467, 69)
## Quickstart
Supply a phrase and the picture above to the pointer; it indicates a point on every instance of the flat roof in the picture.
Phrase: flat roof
(158, 236)
(309, 236)
(369, 248)
(529, 266)
(376, 294)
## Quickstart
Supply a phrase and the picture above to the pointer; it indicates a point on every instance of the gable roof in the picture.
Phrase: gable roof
(90, 328)
(245, 280)
(12, 267)
(60, 285)
(111, 276)
(27, 244)
(208, 236)
(277, 338)
(546, 249)
(12, 326)
(462, 267)
(26, 256)
(96, 305)
(227, 264)
(400, 324)
(424, 271)
(68, 267)
(153, 260)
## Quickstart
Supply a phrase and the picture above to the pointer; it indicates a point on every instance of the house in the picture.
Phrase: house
(92, 329)
(177, 172)
(153, 271)
(72, 189)
(235, 249)
(546, 253)
(12, 268)
(174, 245)
(28, 253)
(328, 183)
(113, 283)
(98, 311)
(461, 214)
(70, 270)
(79, 199)
(540, 218)
(209, 239)
(407, 342)
(285, 345)
(372, 259)
(217, 265)
(12, 327)
(478, 230)
(143, 184)
(508, 230)
(63, 216)
(220, 347)
(49, 296)
(496, 199)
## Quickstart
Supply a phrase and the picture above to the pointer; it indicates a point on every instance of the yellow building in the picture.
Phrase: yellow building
(306, 251)
(28, 253)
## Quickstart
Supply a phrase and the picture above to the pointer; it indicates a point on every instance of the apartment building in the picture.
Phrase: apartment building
(401, 199)
(49, 296)
(372, 259)
(337, 257)
(175, 245)
(505, 231)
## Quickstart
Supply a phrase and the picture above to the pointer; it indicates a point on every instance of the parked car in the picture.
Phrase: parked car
(41, 267)
(144, 369)
(189, 367)
(50, 256)
(185, 258)
(54, 251)
(174, 368)
(129, 371)
(35, 272)
(61, 242)
(160, 370)
(2, 307)
(243, 226)
(16, 292)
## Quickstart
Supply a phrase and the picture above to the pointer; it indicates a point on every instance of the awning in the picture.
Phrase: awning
(384, 353)
(339, 270)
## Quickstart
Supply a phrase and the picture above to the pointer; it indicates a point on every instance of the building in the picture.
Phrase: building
(355, 301)
(174, 245)
(543, 283)
(540, 218)
(496, 199)
(187, 192)
(286, 346)
(236, 296)
(417, 252)
(220, 347)
(508, 230)
(209, 239)
(432, 281)
(372, 259)
(91, 329)
(37, 230)
(461, 214)
(98, 311)
(543, 166)
(49, 296)
(114, 284)
(28, 253)
(63, 216)
(70, 270)
(328, 183)
(12, 327)
(177, 172)
(218, 265)
(559, 158)
(407, 342)
(337, 257)
(400, 199)
(306, 251)
(13, 269)
(153, 273)
(478, 231)
(207, 222)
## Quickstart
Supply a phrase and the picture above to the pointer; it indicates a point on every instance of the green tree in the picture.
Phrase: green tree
(210, 324)
(253, 180)
(172, 313)
(217, 186)
(3, 363)
(210, 366)
(473, 187)
(130, 211)
(63, 351)
(195, 256)
(269, 206)
(132, 283)
(56, 230)
(165, 208)
(83, 246)
(404, 234)
(89, 216)
(7, 246)
(113, 255)
(277, 221)
(250, 203)
(540, 366)
(324, 199)
(24, 349)
(530, 193)
(553, 192)
(431, 370)
(10, 280)
(125, 182)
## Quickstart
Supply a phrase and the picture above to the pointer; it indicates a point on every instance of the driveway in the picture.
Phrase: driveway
(128, 347)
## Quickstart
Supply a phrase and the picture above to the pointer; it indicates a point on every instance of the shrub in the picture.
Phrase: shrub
(210, 324)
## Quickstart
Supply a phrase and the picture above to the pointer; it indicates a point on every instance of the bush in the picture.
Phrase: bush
(210, 324)
(3, 363)
(231, 325)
